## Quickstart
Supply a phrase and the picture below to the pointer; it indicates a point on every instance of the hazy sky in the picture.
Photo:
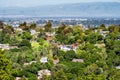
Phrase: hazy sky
(29, 3)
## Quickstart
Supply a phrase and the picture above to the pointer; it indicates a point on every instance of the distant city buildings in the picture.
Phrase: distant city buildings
(86, 22)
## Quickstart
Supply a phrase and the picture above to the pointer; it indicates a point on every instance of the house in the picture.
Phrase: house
(0, 29)
(33, 32)
(95, 31)
(75, 46)
(50, 33)
(12, 47)
(55, 61)
(41, 73)
(117, 67)
(4, 46)
(26, 64)
(65, 47)
(43, 60)
(18, 29)
(49, 36)
(78, 60)
(18, 78)
(7, 46)
(119, 37)
(68, 47)
(103, 33)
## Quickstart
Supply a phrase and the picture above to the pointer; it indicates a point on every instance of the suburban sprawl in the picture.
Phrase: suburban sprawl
(64, 49)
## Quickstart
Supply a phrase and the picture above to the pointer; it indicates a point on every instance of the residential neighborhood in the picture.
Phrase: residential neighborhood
(66, 52)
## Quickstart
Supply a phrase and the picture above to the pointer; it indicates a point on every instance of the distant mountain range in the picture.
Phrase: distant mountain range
(93, 9)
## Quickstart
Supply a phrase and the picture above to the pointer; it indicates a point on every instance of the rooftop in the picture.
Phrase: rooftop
(77, 60)
(43, 60)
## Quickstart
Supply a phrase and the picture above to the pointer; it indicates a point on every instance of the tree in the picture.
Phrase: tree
(8, 29)
(114, 28)
(26, 35)
(100, 37)
(110, 39)
(61, 28)
(1, 25)
(65, 35)
(116, 47)
(92, 38)
(113, 74)
(33, 26)
(103, 27)
(4, 37)
(59, 75)
(55, 51)
(92, 69)
(41, 34)
(69, 55)
(48, 26)
(25, 43)
(5, 67)
(58, 72)
(61, 55)
(24, 26)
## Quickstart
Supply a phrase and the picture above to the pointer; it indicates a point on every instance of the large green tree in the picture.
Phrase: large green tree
(24, 43)
(33, 26)
(24, 26)
(26, 36)
(8, 29)
(5, 67)
(48, 26)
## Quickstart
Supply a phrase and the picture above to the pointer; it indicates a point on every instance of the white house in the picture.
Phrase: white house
(18, 29)
(103, 33)
(117, 67)
(33, 32)
(68, 47)
(43, 60)
(50, 33)
(7, 46)
(64, 47)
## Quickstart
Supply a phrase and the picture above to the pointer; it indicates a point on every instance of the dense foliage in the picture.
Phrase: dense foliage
(100, 54)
